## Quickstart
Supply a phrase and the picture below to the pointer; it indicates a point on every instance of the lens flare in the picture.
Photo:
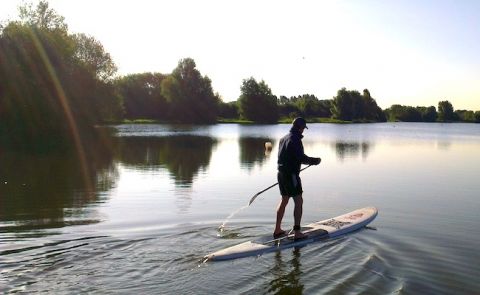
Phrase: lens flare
(62, 98)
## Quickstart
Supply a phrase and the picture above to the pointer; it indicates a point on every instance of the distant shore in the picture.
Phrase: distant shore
(248, 122)
(233, 121)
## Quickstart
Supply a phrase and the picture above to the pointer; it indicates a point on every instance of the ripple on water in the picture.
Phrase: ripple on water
(372, 262)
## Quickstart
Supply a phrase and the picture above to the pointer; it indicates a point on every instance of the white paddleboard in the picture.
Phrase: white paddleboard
(321, 230)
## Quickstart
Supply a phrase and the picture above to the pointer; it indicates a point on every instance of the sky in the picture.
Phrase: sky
(409, 52)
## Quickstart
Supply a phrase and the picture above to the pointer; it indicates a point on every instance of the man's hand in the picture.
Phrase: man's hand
(316, 161)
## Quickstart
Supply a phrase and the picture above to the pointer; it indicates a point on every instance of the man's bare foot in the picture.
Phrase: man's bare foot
(278, 234)
(299, 235)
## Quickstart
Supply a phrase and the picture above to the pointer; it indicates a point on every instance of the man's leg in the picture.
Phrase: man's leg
(297, 216)
(280, 212)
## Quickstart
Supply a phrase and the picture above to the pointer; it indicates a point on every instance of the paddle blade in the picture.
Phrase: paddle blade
(253, 199)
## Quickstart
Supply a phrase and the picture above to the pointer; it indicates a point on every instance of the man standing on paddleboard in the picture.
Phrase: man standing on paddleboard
(290, 158)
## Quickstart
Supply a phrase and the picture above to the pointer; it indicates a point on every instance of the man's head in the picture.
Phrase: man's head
(299, 124)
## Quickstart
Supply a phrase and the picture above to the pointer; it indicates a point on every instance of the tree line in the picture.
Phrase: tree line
(55, 84)
(445, 113)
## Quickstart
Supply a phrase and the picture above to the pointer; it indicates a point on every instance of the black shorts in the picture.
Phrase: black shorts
(290, 184)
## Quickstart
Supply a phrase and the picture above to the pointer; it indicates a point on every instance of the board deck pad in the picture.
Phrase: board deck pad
(317, 231)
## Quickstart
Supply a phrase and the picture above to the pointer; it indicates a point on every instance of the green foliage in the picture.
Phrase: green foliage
(288, 120)
(429, 114)
(257, 103)
(411, 114)
(325, 108)
(287, 108)
(445, 111)
(404, 113)
(350, 105)
(53, 82)
(228, 110)
(306, 105)
(48, 95)
(142, 96)
(342, 106)
(465, 116)
(190, 94)
(371, 111)
(42, 17)
(91, 54)
(477, 117)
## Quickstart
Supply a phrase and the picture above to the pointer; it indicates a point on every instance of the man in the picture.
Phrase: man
(290, 158)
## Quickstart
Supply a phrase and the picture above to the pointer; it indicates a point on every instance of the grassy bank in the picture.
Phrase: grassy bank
(316, 120)
(284, 121)
(235, 121)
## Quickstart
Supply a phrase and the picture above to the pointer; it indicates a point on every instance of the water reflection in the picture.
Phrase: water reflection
(287, 277)
(352, 149)
(183, 199)
(183, 156)
(254, 151)
(49, 190)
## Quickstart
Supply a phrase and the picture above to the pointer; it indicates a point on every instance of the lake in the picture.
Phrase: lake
(138, 215)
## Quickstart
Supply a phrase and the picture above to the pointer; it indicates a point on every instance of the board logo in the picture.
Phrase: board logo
(354, 216)
(335, 223)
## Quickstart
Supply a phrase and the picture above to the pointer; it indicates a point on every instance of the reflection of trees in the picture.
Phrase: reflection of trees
(286, 281)
(36, 188)
(182, 155)
(352, 149)
(252, 150)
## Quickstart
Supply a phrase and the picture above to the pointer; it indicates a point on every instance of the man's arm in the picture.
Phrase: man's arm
(302, 158)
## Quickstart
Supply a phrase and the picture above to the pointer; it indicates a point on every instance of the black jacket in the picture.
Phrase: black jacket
(291, 155)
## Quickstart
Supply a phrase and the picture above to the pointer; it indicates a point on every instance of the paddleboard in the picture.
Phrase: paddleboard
(317, 231)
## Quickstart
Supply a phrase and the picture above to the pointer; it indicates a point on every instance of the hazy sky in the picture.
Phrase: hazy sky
(410, 52)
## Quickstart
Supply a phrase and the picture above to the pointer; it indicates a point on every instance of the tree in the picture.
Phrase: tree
(477, 117)
(48, 97)
(283, 100)
(369, 107)
(445, 111)
(342, 106)
(371, 111)
(465, 115)
(308, 105)
(142, 96)
(324, 109)
(257, 103)
(93, 77)
(429, 114)
(92, 55)
(287, 108)
(228, 110)
(404, 113)
(350, 105)
(108, 103)
(190, 94)
(42, 17)
(32, 74)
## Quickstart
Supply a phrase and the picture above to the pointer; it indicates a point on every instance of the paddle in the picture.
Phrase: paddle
(257, 194)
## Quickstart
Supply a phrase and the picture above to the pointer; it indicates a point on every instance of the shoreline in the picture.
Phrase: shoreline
(281, 121)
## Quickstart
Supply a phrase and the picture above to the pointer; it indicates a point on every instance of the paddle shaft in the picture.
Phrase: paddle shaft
(260, 192)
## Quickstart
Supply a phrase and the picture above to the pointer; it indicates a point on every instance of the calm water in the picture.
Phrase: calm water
(141, 214)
